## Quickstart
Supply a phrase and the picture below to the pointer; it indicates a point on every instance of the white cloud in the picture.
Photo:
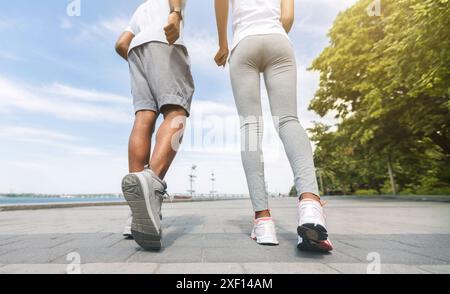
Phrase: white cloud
(65, 23)
(61, 90)
(317, 19)
(7, 23)
(104, 30)
(65, 102)
(62, 174)
(51, 139)
(115, 25)
(329, 4)
(20, 132)
(202, 48)
(10, 56)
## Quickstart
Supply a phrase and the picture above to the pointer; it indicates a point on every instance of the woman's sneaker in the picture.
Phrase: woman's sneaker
(144, 193)
(312, 231)
(264, 232)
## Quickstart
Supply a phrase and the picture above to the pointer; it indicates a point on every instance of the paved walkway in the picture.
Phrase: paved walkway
(212, 237)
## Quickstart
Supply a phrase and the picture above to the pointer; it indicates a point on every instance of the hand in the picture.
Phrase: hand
(172, 30)
(222, 56)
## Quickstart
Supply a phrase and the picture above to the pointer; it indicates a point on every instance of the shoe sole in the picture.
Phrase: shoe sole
(265, 243)
(268, 244)
(143, 229)
(313, 237)
(128, 237)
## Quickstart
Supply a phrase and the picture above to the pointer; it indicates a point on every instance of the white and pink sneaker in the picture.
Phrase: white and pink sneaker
(312, 229)
(264, 232)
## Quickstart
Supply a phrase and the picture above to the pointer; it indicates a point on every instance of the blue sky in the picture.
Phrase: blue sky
(65, 103)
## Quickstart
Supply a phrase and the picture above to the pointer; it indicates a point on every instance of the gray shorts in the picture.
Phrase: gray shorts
(160, 76)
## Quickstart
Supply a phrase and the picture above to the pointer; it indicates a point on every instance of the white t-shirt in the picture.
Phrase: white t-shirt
(256, 17)
(148, 22)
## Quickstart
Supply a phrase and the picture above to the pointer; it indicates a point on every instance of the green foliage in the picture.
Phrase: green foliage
(293, 192)
(368, 192)
(387, 80)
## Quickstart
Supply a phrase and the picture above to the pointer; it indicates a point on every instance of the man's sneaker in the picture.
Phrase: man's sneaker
(127, 230)
(144, 193)
(264, 232)
(312, 231)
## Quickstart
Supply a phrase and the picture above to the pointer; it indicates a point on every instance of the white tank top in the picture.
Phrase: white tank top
(256, 17)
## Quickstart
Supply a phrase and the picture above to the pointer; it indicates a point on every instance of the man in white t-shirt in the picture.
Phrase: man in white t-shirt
(161, 83)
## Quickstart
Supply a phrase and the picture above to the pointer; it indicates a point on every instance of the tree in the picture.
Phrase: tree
(387, 80)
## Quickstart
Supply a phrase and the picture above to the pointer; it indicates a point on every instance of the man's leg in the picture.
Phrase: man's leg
(168, 138)
(139, 149)
(140, 140)
(141, 187)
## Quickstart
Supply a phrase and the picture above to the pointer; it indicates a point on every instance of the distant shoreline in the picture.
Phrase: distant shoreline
(32, 195)
(118, 201)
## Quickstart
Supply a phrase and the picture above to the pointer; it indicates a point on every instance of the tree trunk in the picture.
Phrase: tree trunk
(391, 176)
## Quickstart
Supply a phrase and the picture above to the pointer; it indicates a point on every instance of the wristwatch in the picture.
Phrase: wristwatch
(177, 10)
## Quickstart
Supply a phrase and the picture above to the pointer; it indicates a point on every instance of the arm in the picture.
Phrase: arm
(287, 14)
(172, 30)
(176, 4)
(222, 8)
(123, 44)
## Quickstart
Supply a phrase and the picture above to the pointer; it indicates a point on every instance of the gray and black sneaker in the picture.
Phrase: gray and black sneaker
(144, 193)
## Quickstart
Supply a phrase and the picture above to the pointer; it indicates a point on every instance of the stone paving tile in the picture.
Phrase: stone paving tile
(119, 268)
(88, 236)
(5, 250)
(234, 255)
(436, 269)
(425, 245)
(93, 268)
(388, 255)
(200, 268)
(440, 254)
(423, 240)
(34, 256)
(169, 255)
(188, 240)
(361, 268)
(93, 244)
(258, 253)
(288, 268)
(227, 236)
(99, 255)
(11, 239)
(398, 240)
(34, 242)
(4, 238)
(33, 269)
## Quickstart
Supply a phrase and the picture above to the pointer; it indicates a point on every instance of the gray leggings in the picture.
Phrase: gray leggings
(274, 57)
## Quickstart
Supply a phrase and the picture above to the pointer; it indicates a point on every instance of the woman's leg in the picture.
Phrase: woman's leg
(245, 80)
(280, 76)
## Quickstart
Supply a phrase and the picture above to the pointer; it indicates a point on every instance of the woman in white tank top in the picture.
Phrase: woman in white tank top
(261, 45)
